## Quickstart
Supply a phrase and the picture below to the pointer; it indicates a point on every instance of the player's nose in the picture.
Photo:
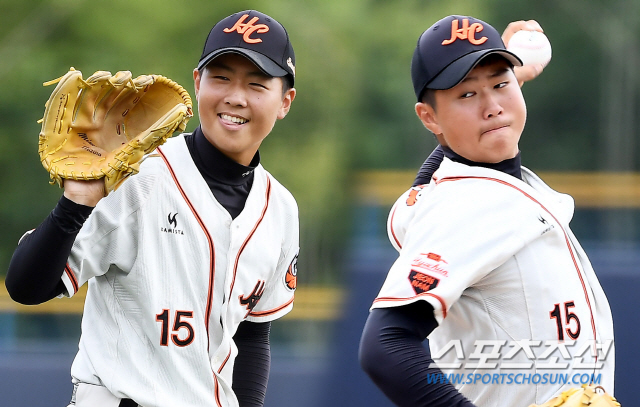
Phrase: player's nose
(236, 96)
(491, 106)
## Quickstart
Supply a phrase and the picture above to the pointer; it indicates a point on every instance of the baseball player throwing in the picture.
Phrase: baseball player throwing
(488, 268)
(189, 260)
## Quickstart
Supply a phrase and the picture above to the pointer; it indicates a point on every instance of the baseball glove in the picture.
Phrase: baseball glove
(103, 126)
(587, 395)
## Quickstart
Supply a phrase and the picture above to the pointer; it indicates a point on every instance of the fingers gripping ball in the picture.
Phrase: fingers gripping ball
(532, 47)
(587, 395)
(102, 126)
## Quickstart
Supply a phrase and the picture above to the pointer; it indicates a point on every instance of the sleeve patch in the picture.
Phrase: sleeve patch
(430, 263)
(291, 276)
(421, 282)
(415, 194)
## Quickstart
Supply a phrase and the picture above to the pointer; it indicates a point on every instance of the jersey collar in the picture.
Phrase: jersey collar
(212, 163)
(512, 166)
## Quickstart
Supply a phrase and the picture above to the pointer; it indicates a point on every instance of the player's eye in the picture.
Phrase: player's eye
(502, 84)
(466, 95)
(258, 85)
(220, 77)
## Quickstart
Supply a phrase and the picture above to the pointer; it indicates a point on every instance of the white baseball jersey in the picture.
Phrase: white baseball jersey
(521, 313)
(171, 275)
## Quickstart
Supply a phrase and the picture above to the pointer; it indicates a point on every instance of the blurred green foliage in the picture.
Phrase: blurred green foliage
(354, 107)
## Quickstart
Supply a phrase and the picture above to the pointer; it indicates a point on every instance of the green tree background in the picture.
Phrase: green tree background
(354, 108)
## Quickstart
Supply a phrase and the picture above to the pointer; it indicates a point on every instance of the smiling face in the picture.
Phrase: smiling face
(482, 117)
(238, 105)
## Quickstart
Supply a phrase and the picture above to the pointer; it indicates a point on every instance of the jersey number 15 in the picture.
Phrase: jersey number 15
(178, 324)
(563, 321)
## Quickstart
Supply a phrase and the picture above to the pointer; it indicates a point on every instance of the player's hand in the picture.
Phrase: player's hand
(523, 73)
(87, 193)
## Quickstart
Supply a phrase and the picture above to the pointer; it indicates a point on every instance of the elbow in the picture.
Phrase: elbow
(362, 356)
(19, 292)
(23, 299)
(15, 293)
(14, 284)
(367, 354)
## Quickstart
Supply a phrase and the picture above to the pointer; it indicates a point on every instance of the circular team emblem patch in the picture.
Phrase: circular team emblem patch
(290, 277)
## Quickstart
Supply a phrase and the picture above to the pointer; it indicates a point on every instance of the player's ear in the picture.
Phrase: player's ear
(196, 81)
(289, 95)
(428, 117)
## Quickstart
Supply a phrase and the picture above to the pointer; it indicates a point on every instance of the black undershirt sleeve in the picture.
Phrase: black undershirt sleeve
(251, 368)
(430, 165)
(37, 264)
(393, 355)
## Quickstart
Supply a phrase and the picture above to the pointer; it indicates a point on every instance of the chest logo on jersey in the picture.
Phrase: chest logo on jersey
(421, 282)
(250, 301)
(545, 223)
(173, 225)
(430, 263)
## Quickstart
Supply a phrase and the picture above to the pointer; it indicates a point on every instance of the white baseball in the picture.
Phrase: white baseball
(533, 47)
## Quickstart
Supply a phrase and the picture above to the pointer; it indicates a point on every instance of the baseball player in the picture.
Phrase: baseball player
(189, 260)
(488, 268)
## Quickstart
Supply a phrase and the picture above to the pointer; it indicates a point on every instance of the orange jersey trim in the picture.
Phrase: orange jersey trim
(393, 232)
(217, 383)
(217, 390)
(224, 363)
(215, 378)
(244, 244)
(271, 311)
(566, 237)
(212, 266)
(72, 277)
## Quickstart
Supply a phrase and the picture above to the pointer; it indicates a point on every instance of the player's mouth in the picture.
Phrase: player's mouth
(227, 118)
(494, 129)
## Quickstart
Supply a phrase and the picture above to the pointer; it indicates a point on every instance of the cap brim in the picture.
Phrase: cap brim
(265, 64)
(456, 71)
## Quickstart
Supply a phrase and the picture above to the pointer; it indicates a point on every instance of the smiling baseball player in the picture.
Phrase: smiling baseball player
(488, 268)
(189, 260)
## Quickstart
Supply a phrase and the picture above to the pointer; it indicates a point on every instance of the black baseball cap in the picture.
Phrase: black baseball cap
(256, 36)
(448, 50)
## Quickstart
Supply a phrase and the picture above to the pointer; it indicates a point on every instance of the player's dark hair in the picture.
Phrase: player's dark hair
(286, 84)
(429, 97)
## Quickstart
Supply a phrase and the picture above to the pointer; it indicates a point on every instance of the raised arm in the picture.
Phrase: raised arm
(37, 264)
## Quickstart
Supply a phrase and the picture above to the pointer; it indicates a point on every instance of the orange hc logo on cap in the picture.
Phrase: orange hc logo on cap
(465, 33)
(246, 29)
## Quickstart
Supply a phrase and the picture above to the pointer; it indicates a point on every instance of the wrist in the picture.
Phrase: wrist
(87, 193)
